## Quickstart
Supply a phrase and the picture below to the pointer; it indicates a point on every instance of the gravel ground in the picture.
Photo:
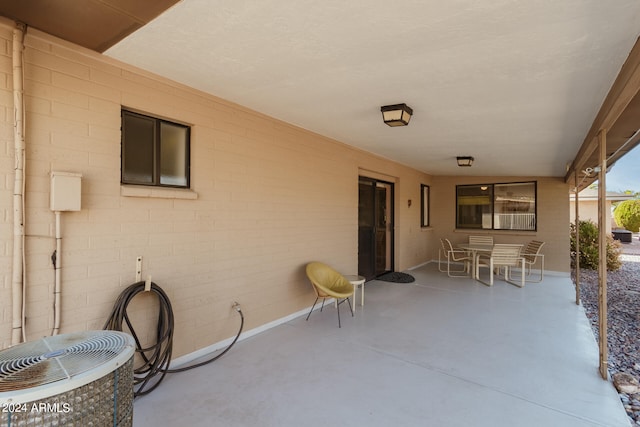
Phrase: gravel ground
(623, 292)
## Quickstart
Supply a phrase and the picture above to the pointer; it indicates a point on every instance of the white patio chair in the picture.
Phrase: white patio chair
(452, 255)
(502, 255)
(480, 240)
(531, 254)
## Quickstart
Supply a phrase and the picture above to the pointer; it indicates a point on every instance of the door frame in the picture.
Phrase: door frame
(391, 224)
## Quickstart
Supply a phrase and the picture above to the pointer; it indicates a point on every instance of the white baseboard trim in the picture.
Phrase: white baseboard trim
(546, 272)
(220, 345)
(420, 265)
(190, 357)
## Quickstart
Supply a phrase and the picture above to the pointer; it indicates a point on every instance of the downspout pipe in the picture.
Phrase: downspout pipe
(17, 283)
(57, 265)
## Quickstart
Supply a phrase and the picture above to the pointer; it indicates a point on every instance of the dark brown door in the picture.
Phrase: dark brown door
(375, 227)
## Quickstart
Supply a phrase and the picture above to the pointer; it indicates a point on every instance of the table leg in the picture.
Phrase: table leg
(356, 281)
(355, 292)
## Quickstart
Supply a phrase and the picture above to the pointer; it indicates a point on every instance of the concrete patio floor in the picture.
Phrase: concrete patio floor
(437, 352)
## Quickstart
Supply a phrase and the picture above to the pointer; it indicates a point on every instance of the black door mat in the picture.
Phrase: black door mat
(396, 277)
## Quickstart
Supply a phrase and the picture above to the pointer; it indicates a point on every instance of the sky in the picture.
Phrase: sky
(625, 174)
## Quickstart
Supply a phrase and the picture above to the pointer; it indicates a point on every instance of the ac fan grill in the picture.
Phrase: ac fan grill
(90, 373)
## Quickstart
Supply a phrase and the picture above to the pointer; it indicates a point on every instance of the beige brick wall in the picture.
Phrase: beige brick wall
(552, 217)
(6, 185)
(589, 212)
(266, 198)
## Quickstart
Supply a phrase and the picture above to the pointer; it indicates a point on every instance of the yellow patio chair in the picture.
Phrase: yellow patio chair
(502, 255)
(328, 283)
(531, 254)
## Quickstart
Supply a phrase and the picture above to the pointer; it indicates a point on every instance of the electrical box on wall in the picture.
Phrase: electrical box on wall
(65, 191)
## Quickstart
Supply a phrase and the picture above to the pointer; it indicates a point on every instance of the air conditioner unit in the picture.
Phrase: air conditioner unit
(77, 379)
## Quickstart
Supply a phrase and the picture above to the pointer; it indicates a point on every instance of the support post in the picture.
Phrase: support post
(602, 246)
(577, 264)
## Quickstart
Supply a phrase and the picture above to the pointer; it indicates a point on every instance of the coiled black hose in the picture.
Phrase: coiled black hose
(157, 357)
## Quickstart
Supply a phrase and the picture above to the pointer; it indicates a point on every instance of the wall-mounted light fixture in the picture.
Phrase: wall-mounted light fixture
(464, 161)
(396, 115)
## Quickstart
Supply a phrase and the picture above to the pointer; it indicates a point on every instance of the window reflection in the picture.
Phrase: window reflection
(510, 206)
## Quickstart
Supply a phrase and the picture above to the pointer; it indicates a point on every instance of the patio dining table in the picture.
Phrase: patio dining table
(475, 248)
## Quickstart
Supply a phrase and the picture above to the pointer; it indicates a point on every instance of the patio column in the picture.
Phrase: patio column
(577, 264)
(602, 246)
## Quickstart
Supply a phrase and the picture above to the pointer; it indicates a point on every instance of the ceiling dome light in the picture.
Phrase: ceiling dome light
(464, 161)
(396, 115)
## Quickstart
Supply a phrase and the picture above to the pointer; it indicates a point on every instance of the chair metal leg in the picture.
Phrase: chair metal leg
(509, 279)
(490, 268)
(449, 271)
(466, 267)
(440, 269)
(454, 273)
(350, 309)
(312, 307)
(530, 268)
(491, 275)
(338, 302)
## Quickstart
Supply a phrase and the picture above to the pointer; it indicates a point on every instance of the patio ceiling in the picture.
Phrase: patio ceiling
(521, 86)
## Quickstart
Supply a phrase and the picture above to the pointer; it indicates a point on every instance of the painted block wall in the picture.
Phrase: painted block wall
(266, 198)
(552, 217)
(589, 212)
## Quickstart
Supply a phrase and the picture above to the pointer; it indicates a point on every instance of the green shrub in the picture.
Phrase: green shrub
(589, 253)
(627, 215)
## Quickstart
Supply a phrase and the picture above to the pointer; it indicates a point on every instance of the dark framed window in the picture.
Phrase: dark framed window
(508, 206)
(424, 205)
(154, 151)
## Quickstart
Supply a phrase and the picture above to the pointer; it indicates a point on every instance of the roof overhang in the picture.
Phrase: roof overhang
(94, 24)
(619, 121)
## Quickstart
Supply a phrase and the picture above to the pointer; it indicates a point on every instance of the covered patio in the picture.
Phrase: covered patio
(439, 351)
(271, 170)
